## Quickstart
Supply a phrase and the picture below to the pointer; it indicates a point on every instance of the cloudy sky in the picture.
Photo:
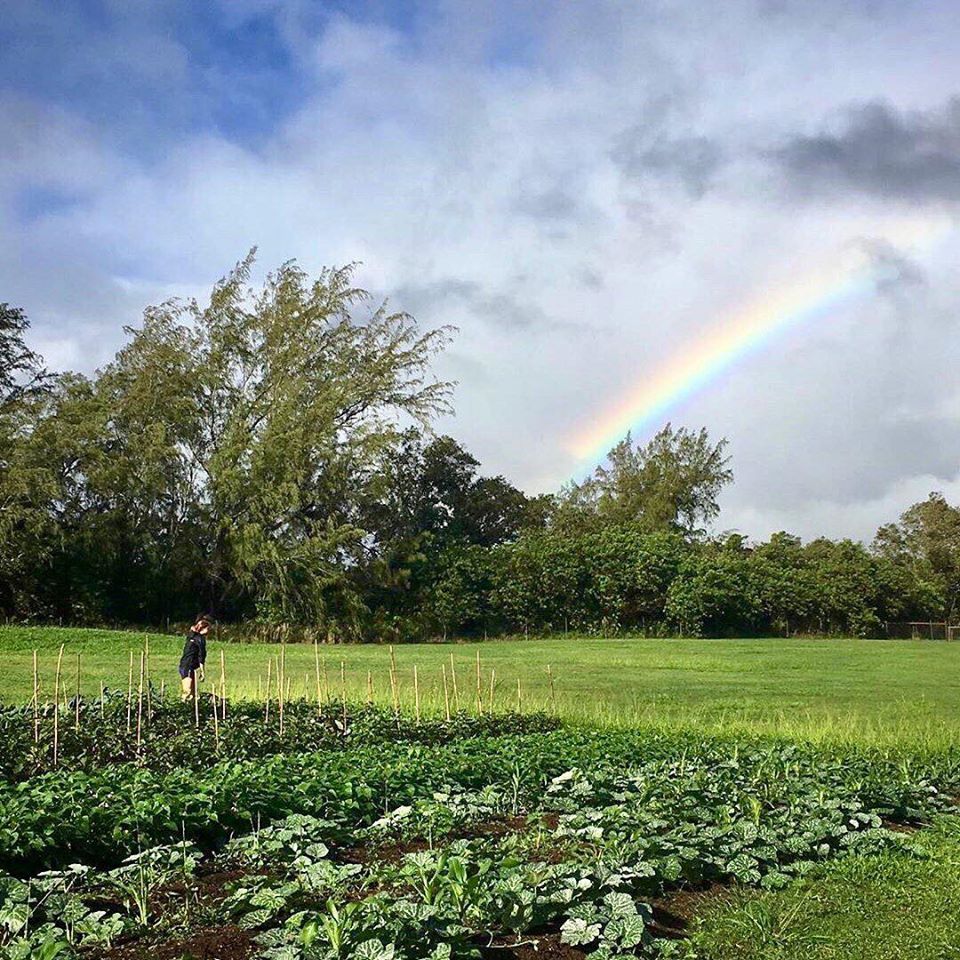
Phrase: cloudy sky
(590, 191)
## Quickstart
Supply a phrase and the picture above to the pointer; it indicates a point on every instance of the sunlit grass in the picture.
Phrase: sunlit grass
(886, 693)
(892, 906)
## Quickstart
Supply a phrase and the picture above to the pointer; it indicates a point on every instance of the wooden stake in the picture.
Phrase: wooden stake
(216, 721)
(266, 712)
(316, 660)
(283, 676)
(416, 694)
(370, 687)
(76, 702)
(493, 684)
(196, 699)
(394, 695)
(453, 680)
(146, 647)
(446, 693)
(56, 709)
(479, 688)
(553, 692)
(36, 700)
(163, 689)
(223, 685)
(326, 680)
(519, 698)
(140, 701)
(130, 693)
(394, 684)
(343, 693)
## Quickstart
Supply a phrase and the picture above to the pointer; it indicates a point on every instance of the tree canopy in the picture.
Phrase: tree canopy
(271, 454)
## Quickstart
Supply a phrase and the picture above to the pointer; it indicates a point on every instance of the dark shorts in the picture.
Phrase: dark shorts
(185, 672)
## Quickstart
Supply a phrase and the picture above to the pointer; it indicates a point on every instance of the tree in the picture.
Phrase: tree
(22, 373)
(926, 541)
(671, 483)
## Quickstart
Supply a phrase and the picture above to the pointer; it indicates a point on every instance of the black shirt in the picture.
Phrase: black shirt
(194, 651)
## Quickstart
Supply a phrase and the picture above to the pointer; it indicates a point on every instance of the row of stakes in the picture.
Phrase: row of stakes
(277, 688)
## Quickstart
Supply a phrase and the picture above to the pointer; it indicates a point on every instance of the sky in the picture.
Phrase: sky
(592, 193)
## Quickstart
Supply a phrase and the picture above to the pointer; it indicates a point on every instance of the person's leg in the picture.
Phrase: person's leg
(186, 687)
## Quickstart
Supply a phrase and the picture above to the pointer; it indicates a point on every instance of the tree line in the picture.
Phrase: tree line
(269, 456)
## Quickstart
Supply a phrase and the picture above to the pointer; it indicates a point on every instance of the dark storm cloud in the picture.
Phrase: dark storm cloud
(691, 161)
(882, 152)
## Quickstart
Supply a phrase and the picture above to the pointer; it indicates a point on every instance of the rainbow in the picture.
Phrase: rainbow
(749, 330)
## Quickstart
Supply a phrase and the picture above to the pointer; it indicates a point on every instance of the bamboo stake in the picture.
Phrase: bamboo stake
(370, 687)
(130, 692)
(36, 701)
(316, 660)
(266, 713)
(223, 685)
(493, 683)
(196, 698)
(216, 721)
(416, 693)
(553, 692)
(163, 689)
(479, 688)
(453, 679)
(446, 692)
(394, 685)
(283, 676)
(326, 680)
(280, 697)
(140, 702)
(343, 693)
(56, 709)
(395, 694)
(519, 698)
(76, 702)
(146, 647)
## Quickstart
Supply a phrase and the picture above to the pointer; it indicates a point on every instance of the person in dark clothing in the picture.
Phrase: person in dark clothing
(193, 658)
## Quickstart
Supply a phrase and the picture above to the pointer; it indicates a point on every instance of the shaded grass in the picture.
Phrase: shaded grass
(893, 906)
(897, 693)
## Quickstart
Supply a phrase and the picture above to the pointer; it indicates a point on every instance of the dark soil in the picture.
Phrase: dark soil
(900, 827)
(674, 912)
(226, 942)
(543, 946)
(394, 851)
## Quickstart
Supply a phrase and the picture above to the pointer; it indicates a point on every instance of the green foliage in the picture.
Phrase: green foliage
(671, 483)
(925, 544)
(610, 822)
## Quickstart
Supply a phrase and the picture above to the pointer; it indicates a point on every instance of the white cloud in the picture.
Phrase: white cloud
(495, 194)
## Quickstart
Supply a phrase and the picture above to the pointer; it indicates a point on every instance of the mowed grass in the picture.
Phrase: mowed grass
(892, 906)
(894, 692)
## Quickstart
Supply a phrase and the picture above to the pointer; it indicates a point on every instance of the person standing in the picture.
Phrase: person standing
(193, 658)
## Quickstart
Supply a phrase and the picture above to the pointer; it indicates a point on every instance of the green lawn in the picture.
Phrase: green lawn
(894, 906)
(894, 692)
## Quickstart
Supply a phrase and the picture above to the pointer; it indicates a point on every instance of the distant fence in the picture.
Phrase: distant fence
(923, 630)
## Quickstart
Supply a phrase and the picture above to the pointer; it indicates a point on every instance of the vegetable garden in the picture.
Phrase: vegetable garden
(152, 829)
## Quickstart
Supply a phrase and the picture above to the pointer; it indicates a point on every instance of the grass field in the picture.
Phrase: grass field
(894, 906)
(888, 692)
